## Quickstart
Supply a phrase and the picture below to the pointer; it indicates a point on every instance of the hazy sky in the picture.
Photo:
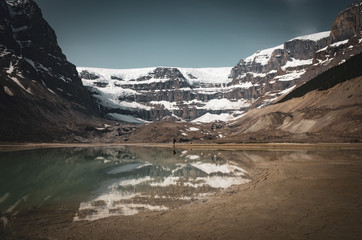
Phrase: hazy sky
(185, 33)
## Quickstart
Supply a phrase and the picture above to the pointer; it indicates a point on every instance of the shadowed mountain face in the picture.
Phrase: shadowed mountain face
(29, 50)
(41, 95)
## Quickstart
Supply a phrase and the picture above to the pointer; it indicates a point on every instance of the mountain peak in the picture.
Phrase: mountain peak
(348, 23)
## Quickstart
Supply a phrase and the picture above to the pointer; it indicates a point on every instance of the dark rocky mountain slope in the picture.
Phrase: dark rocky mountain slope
(41, 96)
(326, 109)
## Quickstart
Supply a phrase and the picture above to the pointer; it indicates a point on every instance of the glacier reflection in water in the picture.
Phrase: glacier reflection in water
(145, 180)
(71, 184)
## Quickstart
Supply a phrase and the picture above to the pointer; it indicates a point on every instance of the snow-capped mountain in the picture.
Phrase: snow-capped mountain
(203, 94)
(211, 94)
(150, 94)
(43, 97)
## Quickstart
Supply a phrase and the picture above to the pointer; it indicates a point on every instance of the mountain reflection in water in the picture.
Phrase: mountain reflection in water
(93, 183)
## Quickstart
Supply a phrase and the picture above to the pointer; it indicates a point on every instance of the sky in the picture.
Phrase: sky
(184, 33)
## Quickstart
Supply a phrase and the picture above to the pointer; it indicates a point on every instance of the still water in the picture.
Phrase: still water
(92, 183)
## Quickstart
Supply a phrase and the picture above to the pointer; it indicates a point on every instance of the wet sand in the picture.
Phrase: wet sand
(289, 197)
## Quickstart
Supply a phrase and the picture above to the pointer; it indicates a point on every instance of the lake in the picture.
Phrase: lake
(44, 191)
(72, 184)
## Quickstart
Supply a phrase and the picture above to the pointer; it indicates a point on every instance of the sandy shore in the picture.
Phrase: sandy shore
(291, 196)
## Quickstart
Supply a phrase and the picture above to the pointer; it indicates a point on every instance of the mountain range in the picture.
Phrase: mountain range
(209, 94)
(276, 94)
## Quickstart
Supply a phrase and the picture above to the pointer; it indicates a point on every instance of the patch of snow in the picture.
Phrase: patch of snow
(11, 68)
(192, 157)
(313, 37)
(290, 76)
(152, 80)
(224, 104)
(267, 101)
(209, 117)
(322, 49)
(222, 182)
(125, 74)
(341, 62)
(207, 75)
(272, 72)
(296, 63)
(324, 62)
(262, 56)
(134, 182)
(31, 62)
(242, 85)
(4, 53)
(170, 180)
(214, 168)
(166, 104)
(184, 152)
(21, 85)
(336, 44)
(200, 75)
(45, 68)
(8, 91)
(51, 91)
(285, 91)
(192, 129)
(214, 104)
(133, 105)
(257, 74)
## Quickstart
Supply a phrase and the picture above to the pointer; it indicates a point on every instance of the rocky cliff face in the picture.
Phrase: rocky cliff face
(280, 69)
(326, 109)
(277, 69)
(348, 23)
(162, 93)
(41, 96)
(29, 50)
(216, 94)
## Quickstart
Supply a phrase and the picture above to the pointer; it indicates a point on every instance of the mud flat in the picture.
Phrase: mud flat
(302, 193)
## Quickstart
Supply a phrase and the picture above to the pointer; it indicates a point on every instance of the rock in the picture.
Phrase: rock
(87, 75)
(259, 80)
(348, 23)
(34, 51)
(42, 97)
